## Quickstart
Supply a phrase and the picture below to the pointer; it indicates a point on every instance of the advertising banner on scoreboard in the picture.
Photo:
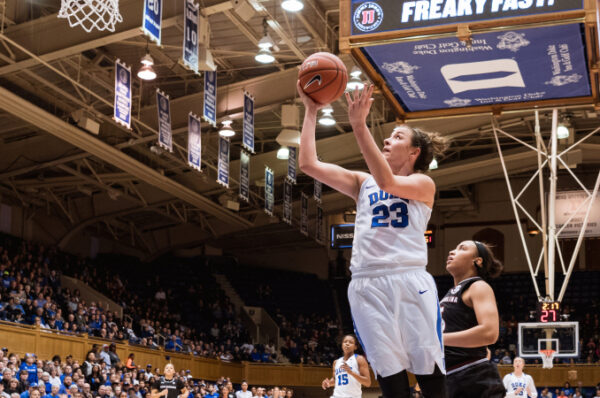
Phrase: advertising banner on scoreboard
(245, 176)
(371, 16)
(151, 24)
(292, 162)
(269, 191)
(223, 166)
(318, 191)
(287, 202)
(165, 136)
(210, 97)
(496, 68)
(190, 36)
(304, 214)
(122, 106)
(248, 129)
(320, 236)
(194, 142)
(571, 204)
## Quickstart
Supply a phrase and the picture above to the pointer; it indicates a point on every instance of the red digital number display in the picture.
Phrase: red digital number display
(548, 312)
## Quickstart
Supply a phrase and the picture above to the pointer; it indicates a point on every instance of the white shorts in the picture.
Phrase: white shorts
(397, 321)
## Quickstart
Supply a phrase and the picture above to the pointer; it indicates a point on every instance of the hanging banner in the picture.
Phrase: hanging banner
(194, 142)
(248, 140)
(152, 19)
(210, 97)
(570, 205)
(223, 168)
(122, 107)
(304, 215)
(245, 176)
(269, 191)
(319, 236)
(190, 36)
(165, 136)
(292, 161)
(318, 191)
(287, 202)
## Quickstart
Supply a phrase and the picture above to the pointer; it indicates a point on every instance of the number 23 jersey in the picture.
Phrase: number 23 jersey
(388, 232)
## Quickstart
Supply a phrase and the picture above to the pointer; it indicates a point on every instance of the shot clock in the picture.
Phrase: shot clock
(548, 311)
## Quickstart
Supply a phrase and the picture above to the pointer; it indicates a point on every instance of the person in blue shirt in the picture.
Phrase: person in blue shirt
(53, 392)
(172, 344)
(27, 393)
(255, 356)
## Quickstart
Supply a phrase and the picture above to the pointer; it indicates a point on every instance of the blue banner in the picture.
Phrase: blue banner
(165, 136)
(292, 161)
(152, 19)
(122, 106)
(319, 236)
(304, 215)
(245, 176)
(223, 167)
(287, 202)
(500, 67)
(210, 97)
(318, 191)
(190, 36)
(269, 191)
(194, 142)
(371, 16)
(248, 139)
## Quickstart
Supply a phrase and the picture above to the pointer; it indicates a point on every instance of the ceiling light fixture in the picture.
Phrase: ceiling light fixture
(227, 130)
(264, 55)
(146, 72)
(292, 5)
(355, 82)
(283, 153)
(562, 132)
(433, 165)
(327, 118)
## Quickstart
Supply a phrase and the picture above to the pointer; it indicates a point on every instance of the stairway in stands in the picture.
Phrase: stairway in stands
(226, 286)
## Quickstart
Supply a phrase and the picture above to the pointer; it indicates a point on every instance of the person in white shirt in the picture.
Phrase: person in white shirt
(519, 384)
(597, 393)
(244, 392)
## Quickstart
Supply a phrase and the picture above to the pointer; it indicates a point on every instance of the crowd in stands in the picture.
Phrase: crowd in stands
(100, 377)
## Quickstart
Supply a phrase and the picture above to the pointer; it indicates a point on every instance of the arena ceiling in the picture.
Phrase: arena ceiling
(118, 186)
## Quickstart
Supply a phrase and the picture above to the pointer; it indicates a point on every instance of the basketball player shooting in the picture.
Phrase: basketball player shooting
(393, 300)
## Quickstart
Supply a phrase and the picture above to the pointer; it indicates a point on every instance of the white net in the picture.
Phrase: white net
(547, 358)
(91, 14)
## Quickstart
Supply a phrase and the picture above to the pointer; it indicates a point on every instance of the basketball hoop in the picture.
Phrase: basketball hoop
(547, 357)
(91, 14)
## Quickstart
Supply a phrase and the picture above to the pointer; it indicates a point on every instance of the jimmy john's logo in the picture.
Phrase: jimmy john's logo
(368, 16)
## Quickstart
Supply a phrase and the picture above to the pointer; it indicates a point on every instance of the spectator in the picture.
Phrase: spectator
(243, 393)
(130, 364)
(30, 367)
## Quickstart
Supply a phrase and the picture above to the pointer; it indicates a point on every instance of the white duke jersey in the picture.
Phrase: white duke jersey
(388, 232)
(512, 383)
(346, 386)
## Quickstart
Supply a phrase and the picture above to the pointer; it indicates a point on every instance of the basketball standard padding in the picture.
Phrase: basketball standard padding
(323, 77)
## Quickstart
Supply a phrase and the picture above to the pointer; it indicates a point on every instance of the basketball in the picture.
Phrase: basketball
(323, 77)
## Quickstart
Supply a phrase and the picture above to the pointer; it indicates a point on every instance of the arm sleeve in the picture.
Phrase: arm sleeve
(531, 390)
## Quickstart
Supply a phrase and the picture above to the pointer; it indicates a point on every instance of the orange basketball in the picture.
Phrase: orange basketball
(323, 77)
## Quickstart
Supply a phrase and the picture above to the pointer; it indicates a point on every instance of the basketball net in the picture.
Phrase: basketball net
(91, 14)
(547, 357)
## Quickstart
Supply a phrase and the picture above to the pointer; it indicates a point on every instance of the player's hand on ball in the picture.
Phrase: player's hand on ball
(359, 104)
(309, 104)
(325, 384)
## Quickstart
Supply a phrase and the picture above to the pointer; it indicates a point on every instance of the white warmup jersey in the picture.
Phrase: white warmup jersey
(393, 299)
(524, 383)
(346, 386)
(388, 232)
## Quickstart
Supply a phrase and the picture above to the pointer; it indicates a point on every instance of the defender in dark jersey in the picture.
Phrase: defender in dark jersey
(470, 323)
(169, 385)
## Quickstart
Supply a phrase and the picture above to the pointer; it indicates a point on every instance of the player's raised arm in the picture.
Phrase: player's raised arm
(342, 180)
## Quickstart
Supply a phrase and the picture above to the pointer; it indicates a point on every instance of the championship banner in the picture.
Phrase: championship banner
(269, 191)
(304, 215)
(248, 132)
(370, 16)
(245, 176)
(319, 236)
(194, 142)
(501, 67)
(165, 136)
(570, 204)
(287, 202)
(223, 167)
(318, 191)
(122, 107)
(190, 36)
(152, 19)
(210, 97)
(292, 162)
